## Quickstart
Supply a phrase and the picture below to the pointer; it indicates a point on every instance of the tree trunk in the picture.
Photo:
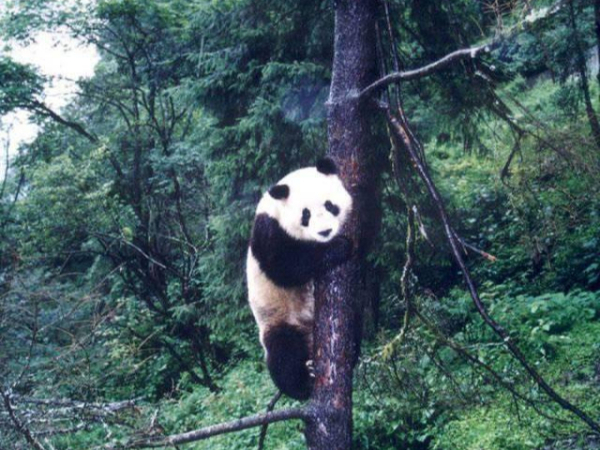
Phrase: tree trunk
(337, 293)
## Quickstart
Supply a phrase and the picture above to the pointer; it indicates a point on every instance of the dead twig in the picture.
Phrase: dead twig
(263, 429)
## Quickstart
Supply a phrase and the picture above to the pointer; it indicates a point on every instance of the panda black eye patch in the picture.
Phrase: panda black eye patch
(305, 217)
(333, 209)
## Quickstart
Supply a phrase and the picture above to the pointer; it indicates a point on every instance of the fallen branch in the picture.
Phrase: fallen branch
(18, 425)
(77, 405)
(59, 431)
(222, 428)
(37, 419)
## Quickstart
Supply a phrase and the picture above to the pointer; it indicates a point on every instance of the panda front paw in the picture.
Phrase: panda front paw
(310, 366)
(340, 251)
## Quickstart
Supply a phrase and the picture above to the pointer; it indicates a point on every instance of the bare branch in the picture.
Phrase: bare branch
(457, 55)
(516, 148)
(424, 71)
(107, 408)
(135, 247)
(222, 428)
(32, 343)
(263, 429)
(19, 426)
(7, 162)
(44, 110)
(42, 418)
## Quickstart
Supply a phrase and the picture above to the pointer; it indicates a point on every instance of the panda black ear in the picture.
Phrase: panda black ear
(326, 166)
(280, 191)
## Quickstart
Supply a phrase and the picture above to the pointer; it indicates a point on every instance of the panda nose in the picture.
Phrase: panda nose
(325, 233)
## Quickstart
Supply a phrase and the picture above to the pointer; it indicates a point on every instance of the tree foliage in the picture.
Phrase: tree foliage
(124, 225)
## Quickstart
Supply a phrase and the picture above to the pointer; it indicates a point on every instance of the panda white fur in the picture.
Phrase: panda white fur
(294, 239)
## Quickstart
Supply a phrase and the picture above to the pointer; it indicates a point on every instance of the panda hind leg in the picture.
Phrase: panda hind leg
(287, 355)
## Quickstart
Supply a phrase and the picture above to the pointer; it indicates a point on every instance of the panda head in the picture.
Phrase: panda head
(310, 204)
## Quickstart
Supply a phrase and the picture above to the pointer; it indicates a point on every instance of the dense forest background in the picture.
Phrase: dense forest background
(124, 225)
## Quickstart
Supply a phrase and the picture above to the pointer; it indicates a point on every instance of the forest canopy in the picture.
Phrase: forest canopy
(124, 225)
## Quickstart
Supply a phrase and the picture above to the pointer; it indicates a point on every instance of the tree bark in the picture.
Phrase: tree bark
(336, 294)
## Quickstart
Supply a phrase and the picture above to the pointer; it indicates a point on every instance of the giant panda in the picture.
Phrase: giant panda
(295, 238)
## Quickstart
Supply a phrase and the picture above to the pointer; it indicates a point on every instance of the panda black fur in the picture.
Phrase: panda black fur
(294, 239)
